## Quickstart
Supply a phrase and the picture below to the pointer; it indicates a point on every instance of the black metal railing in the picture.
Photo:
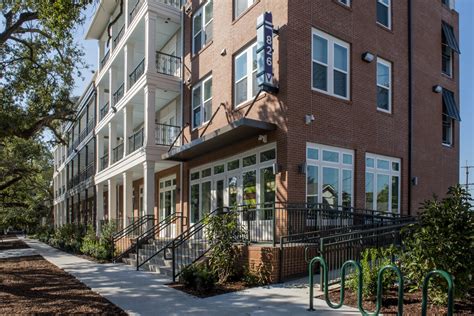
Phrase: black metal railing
(135, 10)
(90, 125)
(90, 170)
(168, 64)
(119, 36)
(118, 94)
(83, 134)
(123, 240)
(135, 141)
(76, 142)
(137, 72)
(104, 161)
(166, 134)
(104, 59)
(117, 153)
(104, 110)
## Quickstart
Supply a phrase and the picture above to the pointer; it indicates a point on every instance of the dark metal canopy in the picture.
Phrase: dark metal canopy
(450, 37)
(234, 132)
(450, 105)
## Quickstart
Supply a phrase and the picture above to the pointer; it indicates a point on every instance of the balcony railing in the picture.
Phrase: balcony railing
(104, 59)
(90, 125)
(104, 161)
(137, 72)
(168, 64)
(76, 142)
(119, 35)
(135, 10)
(118, 94)
(174, 3)
(135, 141)
(104, 110)
(166, 134)
(117, 153)
(83, 135)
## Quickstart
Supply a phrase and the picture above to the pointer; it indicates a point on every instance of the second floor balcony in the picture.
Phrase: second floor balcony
(103, 111)
(117, 153)
(118, 94)
(168, 64)
(135, 141)
(104, 161)
(166, 135)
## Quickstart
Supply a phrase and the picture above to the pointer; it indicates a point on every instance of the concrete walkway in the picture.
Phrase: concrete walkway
(146, 293)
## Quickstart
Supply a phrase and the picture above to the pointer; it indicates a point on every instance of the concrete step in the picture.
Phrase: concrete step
(163, 270)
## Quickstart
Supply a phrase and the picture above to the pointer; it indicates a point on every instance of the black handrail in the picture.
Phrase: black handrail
(104, 110)
(134, 10)
(177, 137)
(134, 226)
(119, 36)
(104, 59)
(212, 118)
(118, 94)
(137, 72)
(167, 64)
(164, 133)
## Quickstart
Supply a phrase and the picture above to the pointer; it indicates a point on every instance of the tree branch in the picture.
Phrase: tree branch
(11, 28)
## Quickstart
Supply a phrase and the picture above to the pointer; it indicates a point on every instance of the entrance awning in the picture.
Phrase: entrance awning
(234, 132)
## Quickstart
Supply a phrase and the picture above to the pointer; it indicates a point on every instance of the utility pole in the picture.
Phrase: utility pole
(467, 167)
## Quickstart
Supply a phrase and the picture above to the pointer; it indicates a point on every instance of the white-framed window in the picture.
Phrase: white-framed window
(240, 6)
(329, 176)
(384, 13)
(448, 3)
(345, 2)
(245, 75)
(330, 65)
(202, 26)
(446, 56)
(384, 85)
(382, 183)
(448, 123)
(202, 102)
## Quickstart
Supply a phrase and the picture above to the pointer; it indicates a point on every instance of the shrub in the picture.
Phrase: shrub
(442, 239)
(223, 231)
(372, 260)
(199, 277)
(68, 237)
(261, 276)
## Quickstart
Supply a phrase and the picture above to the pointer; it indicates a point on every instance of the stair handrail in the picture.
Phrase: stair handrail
(126, 231)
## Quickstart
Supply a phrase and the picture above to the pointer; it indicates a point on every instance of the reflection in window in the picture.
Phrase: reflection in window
(346, 188)
(267, 191)
(206, 197)
(312, 185)
(369, 190)
(330, 187)
(382, 192)
(194, 203)
(249, 188)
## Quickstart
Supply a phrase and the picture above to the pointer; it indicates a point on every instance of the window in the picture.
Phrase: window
(448, 3)
(330, 62)
(450, 113)
(245, 75)
(202, 26)
(447, 57)
(240, 6)
(384, 13)
(202, 102)
(382, 183)
(329, 176)
(384, 85)
(345, 2)
(448, 123)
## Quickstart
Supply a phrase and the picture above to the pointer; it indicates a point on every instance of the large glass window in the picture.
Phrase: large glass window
(240, 6)
(384, 13)
(446, 56)
(329, 176)
(202, 26)
(202, 102)
(330, 65)
(384, 85)
(448, 124)
(194, 203)
(382, 183)
(245, 75)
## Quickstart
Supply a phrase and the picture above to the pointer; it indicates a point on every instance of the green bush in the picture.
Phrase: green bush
(372, 260)
(442, 239)
(68, 237)
(99, 248)
(199, 277)
(261, 276)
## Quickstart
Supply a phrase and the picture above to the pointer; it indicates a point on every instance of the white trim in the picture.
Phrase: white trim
(249, 4)
(330, 67)
(203, 27)
(390, 84)
(248, 51)
(389, 14)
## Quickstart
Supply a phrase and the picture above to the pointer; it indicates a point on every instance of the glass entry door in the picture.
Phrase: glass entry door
(168, 205)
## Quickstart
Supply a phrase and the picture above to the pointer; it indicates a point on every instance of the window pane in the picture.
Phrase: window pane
(312, 180)
(382, 98)
(249, 194)
(346, 188)
(208, 12)
(220, 193)
(197, 117)
(382, 14)
(218, 169)
(267, 155)
(340, 57)
(369, 162)
(312, 153)
(233, 165)
(347, 159)
(208, 33)
(208, 89)
(248, 161)
(320, 49)
(267, 191)
(194, 203)
(194, 175)
(255, 87)
(241, 91)
(369, 190)
(340, 83)
(382, 192)
(206, 172)
(383, 164)
(395, 166)
(232, 191)
(197, 23)
(395, 195)
(240, 6)
(206, 197)
(197, 42)
(330, 187)
(240, 67)
(207, 110)
(196, 97)
(320, 76)
(330, 156)
(383, 75)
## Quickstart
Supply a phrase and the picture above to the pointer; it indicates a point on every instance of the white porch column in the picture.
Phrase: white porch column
(127, 127)
(150, 45)
(149, 116)
(127, 197)
(148, 188)
(126, 12)
(99, 189)
(112, 139)
(112, 198)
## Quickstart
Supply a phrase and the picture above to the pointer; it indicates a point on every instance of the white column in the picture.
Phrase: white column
(126, 67)
(99, 189)
(127, 197)
(112, 139)
(127, 127)
(112, 198)
(126, 12)
(149, 188)
(149, 116)
(150, 46)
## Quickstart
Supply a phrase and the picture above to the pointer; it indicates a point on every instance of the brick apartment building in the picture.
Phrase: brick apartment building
(366, 113)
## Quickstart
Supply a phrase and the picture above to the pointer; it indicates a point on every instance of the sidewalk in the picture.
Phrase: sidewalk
(145, 293)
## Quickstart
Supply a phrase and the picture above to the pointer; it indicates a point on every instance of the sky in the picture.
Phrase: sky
(466, 13)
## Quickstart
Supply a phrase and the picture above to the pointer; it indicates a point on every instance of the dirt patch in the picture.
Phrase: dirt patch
(411, 303)
(11, 242)
(32, 285)
(218, 289)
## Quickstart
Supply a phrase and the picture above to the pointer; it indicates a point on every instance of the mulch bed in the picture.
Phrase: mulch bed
(411, 303)
(218, 289)
(12, 242)
(32, 285)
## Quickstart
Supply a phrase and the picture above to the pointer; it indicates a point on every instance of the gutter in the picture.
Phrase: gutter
(410, 104)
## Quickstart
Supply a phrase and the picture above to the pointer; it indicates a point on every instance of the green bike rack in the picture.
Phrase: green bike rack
(449, 279)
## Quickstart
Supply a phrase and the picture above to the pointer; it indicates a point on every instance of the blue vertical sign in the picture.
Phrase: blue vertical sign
(265, 51)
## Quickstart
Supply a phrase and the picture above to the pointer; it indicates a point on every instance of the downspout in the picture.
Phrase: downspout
(410, 104)
(181, 164)
(109, 27)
